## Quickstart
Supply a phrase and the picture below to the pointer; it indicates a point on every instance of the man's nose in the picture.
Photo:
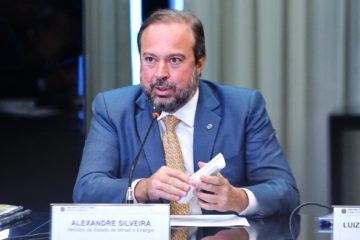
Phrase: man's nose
(162, 70)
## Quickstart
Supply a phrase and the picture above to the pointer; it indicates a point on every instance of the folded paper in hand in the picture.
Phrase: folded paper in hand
(210, 168)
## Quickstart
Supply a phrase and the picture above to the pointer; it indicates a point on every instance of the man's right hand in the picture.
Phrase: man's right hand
(166, 183)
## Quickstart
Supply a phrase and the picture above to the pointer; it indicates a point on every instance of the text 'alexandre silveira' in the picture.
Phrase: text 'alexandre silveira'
(111, 223)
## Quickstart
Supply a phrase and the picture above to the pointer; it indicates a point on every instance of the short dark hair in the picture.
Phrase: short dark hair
(171, 15)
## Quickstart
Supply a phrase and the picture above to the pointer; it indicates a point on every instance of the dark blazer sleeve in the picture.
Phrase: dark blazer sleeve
(119, 123)
(268, 173)
(242, 131)
(98, 179)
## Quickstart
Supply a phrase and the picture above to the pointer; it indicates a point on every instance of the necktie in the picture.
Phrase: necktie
(174, 159)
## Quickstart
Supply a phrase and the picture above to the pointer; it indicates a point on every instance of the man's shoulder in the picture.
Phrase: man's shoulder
(227, 91)
(118, 100)
(128, 92)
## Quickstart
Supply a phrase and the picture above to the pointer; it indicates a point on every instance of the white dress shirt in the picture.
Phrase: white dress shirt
(185, 133)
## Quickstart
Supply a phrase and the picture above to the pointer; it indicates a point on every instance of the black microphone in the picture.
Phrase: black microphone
(129, 195)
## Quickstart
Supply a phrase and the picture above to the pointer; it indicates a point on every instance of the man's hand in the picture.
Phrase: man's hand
(216, 193)
(166, 183)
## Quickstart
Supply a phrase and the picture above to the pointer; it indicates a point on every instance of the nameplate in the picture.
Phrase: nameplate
(346, 222)
(110, 221)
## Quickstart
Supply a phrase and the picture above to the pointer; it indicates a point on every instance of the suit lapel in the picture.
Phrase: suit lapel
(153, 146)
(207, 122)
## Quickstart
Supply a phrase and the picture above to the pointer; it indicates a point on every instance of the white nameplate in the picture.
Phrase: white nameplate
(346, 222)
(110, 221)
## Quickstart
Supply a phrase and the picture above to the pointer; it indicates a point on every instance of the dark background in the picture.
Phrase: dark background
(41, 133)
(41, 123)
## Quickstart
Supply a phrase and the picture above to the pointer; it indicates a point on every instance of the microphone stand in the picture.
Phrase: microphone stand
(129, 193)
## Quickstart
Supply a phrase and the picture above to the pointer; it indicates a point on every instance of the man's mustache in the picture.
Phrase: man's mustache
(163, 83)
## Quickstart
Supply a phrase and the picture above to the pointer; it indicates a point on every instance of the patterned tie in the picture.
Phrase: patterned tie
(174, 159)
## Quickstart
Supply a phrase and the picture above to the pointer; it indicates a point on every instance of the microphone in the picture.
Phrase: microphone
(129, 195)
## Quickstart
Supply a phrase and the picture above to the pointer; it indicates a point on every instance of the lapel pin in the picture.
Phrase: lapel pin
(209, 126)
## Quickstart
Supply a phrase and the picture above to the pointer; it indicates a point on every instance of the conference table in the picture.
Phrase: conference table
(304, 226)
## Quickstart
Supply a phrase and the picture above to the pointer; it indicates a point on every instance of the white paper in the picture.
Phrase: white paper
(213, 220)
(212, 167)
(346, 222)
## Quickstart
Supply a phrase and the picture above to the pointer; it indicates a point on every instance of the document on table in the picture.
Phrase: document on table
(213, 220)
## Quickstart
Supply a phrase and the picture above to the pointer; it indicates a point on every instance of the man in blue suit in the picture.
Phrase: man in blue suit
(213, 119)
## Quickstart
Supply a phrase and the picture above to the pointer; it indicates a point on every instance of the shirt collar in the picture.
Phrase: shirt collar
(187, 112)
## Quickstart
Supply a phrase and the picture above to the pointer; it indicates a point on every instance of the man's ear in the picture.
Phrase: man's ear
(200, 65)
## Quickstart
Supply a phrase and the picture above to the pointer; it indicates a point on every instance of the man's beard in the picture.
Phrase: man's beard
(179, 99)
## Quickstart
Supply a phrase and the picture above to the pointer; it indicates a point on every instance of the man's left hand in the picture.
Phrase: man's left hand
(216, 193)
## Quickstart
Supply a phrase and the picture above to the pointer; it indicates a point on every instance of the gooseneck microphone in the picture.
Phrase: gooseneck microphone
(129, 195)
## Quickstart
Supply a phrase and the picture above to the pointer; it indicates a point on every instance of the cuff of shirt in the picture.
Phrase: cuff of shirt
(133, 185)
(252, 233)
(253, 206)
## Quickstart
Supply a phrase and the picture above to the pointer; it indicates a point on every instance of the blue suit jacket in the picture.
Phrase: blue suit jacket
(241, 131)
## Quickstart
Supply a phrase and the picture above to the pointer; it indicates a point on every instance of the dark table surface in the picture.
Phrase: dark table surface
(37, 226)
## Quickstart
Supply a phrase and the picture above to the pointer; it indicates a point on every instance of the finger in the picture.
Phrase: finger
(171, 197)
(165, 195)
(201, 164)
(206, 196)
(176, 187)
(217, 180)
(177, 179)
(208, 187)
(175, 173)
(210, 201)
(159, 189)
(213, 186)
(206, 205)
(171, 181)
(165, 172)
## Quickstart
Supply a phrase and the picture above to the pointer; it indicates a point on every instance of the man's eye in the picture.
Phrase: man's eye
(149, 59)
(175, 60)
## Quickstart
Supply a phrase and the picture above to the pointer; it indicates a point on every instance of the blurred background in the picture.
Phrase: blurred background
(41, 100)
(304, 56)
